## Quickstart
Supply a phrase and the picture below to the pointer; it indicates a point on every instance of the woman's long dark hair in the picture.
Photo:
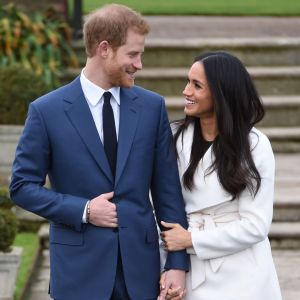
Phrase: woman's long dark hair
(238, 108)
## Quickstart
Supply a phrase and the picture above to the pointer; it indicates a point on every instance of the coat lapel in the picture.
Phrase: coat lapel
(80, 116)
(129, 116)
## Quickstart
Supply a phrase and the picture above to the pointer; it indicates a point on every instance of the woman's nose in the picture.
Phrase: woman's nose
(186, 92)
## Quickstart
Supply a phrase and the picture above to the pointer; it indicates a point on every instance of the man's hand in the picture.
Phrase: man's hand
(103, 213)
(176, 238)
(172, 285)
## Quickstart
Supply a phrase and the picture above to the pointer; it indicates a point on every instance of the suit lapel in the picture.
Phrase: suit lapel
(129, 116)
(80, 116)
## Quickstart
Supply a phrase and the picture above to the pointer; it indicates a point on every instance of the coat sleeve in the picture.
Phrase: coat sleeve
(255, 213)
(29, 171)
(165, 188)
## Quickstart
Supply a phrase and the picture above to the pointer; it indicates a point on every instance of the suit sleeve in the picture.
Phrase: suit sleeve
(255, 213)
(166, 189)
(29, 171)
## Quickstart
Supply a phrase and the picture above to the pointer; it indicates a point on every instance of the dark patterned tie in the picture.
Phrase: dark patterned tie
(109, 132)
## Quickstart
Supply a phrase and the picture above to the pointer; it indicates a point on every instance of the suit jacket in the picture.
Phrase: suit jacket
(60, 140)
(231, 257)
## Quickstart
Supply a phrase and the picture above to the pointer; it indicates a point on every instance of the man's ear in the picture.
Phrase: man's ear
(103, 49)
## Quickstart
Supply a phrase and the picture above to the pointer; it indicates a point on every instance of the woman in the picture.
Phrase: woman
(227, 171)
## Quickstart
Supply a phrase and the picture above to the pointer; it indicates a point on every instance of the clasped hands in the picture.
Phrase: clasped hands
(175, 238)
(172, 285)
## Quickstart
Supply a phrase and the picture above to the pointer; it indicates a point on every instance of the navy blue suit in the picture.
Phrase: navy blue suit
(60, 140)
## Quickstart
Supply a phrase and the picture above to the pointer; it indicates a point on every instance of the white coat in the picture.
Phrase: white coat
(231, 256)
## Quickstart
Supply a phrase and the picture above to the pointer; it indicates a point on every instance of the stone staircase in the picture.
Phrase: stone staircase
(274, 64)
(285, 229)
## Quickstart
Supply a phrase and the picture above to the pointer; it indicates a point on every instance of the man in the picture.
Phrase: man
(103, 152)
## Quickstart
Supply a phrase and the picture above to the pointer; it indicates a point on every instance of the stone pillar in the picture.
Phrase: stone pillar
(9, 137)
(9, 265)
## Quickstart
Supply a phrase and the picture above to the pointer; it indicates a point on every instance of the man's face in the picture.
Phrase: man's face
(123, 62)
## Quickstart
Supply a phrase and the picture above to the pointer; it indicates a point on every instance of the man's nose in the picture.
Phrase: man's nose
(138, 64)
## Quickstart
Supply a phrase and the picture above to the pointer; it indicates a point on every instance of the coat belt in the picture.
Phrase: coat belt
(206, 221)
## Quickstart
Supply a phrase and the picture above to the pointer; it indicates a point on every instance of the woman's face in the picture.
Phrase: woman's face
(199, 102)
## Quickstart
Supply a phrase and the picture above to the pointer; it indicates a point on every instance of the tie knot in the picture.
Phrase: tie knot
(106, 97)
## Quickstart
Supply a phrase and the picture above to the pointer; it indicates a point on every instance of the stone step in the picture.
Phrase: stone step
(9, 136)
(287, 191)
(283, 235)
(280, 110)
(287, 168)
(286, 261)
(287, 209)
(283, 139)
(269, 80)
(171, 81)
(286, 205)
(172, 52)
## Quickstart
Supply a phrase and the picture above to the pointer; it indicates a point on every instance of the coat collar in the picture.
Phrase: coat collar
(129, 116)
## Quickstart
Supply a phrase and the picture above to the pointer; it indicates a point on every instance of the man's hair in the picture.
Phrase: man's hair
(111, 23)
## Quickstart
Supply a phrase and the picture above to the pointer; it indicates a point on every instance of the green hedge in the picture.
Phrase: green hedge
(8, 222)
(18, 87)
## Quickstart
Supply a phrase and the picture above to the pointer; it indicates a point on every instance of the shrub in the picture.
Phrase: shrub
(5, 201)
(40, 42)
(18, 87)
(8, 222)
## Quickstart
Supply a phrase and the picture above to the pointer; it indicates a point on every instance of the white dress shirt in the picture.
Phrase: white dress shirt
(94, 97)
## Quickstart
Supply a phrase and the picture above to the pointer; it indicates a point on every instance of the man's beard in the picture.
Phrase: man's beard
(119, 77)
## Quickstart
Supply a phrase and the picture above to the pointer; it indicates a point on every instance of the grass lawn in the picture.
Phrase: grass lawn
(204, 7)
(30, 244)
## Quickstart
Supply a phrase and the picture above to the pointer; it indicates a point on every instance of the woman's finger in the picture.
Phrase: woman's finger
(168, 225)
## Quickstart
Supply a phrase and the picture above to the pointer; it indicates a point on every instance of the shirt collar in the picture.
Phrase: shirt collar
(93, 93)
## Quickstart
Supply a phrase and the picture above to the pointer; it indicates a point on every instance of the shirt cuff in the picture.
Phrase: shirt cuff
(84, 213)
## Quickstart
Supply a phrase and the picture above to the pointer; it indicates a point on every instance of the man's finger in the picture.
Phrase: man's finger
(107, 196)
(162, 280)
(164, 291)
(163, 294)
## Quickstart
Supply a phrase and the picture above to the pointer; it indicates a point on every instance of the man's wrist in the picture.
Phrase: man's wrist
(88, 211)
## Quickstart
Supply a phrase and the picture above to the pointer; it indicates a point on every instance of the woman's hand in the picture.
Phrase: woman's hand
(176, 238)
(172, 293)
